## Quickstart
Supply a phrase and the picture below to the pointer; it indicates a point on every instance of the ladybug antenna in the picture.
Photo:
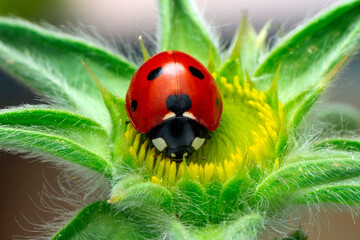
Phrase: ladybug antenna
(143, 49)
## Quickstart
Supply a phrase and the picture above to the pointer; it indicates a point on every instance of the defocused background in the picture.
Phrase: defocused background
(22, 180)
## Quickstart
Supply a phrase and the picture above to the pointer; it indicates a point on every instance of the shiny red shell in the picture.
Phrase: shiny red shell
(175, 79)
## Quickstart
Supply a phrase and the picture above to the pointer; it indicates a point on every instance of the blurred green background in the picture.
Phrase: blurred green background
(120, 22)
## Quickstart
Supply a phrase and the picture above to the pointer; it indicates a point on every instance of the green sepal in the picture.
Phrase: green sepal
(312, 51)
(339, 144)
(120, 189)
(177, 231)
(253, 46)
(298, 107)
(234, 195)
(233, 64)
(211, 66)
(245, 227)
(190, 202)
(272, 93)
(183, 29)
(148, 196)
(118, 116)
(102, 220)
(213, 190)
(283, 134)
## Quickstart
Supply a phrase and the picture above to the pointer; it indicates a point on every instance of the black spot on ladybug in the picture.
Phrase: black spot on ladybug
(196, 72)
(154, 73)
(133, 105)
(178, 104)
(218, 102)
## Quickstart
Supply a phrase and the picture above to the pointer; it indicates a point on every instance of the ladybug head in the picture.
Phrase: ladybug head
(178, 137)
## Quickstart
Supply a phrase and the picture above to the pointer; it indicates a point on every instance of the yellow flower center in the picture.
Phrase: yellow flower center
(246, 137)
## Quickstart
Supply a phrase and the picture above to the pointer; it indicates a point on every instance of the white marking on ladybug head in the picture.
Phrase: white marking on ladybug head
(169, 115)
(197, 143)
(173, 155)
(185, 154)
(189, 115)
(159, 143)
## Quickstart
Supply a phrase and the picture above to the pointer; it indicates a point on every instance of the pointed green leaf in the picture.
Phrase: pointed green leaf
(50, 62)
(99, 220)
(183, 29)
(312, 51)
(50, 145)
(301, 172)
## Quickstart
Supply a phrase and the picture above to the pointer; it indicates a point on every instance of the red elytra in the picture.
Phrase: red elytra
(172, 75)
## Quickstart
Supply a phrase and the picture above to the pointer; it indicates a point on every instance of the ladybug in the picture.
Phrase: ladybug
(174, 100)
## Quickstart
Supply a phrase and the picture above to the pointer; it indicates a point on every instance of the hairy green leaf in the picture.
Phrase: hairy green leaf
(297, 108)
(50, 63)
(340, 144)
(178, 231)
(190, 202)
(234, 195)
(99, 220)
(45, 144)
(312, 51)
(322, 167)
(245, 227)
(183, 29)
(152, 196)
(344, 192)
(57, 122)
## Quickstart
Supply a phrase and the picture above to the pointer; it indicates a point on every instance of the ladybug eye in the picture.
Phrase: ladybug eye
(154, 73)
(196, 72)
